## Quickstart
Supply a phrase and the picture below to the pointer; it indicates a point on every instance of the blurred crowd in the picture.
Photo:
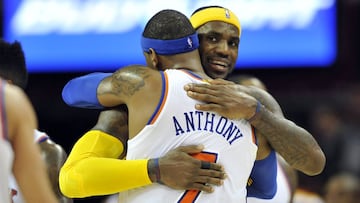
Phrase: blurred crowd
(333, 118)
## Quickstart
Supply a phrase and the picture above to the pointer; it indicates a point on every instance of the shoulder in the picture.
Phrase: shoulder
(133, 75)
(15, 99)
(14, 92)
(52, 152)
(49, 148)
(133, 69)
(18, 108)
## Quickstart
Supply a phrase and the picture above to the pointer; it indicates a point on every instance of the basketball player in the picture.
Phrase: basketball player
(219, 39)
(218, 51)
(13, 69)
(155, 125)
(234, 40)
(18, 154)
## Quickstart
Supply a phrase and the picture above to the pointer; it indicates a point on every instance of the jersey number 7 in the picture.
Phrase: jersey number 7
(191, 195)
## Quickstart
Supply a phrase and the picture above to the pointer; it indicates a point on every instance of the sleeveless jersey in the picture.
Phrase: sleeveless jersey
(6, 152)
(175, 123)
(283, 192)
(17, 196)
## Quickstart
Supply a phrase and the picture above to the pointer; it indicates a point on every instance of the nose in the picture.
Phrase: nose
(223, 48)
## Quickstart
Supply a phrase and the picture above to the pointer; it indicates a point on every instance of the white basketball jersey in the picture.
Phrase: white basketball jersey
(177, 123)
(6, 152)
(283, 192)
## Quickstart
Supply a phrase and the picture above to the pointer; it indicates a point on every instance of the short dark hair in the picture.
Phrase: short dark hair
(12, 63)
(168, 24)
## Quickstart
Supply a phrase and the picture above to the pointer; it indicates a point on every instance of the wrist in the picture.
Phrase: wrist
(154, 170)
(256, 112)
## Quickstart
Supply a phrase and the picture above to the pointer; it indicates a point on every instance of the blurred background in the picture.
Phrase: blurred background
(306, 52)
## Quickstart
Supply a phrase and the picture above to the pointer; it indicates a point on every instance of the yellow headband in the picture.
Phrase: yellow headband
(214, 14)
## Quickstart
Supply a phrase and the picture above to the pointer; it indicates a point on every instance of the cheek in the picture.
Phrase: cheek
(203, 50)
(203, 46)
(234, 55)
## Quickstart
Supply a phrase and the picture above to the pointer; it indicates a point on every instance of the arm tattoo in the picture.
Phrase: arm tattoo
(297, 146)
(291, 141)
(127, 81)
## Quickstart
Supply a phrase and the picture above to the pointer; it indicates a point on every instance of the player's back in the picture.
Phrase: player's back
(176, 122)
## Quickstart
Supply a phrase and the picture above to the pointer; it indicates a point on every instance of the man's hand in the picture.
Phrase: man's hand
(226, 98)
(179, 170)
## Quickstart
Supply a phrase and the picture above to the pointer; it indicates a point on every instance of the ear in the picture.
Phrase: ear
(154, 59)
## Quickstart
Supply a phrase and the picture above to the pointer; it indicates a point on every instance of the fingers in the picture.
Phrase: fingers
(208, 107)
(203, 96)
(205, 93)
(205, 165)
(215, 166)
(201, 187)
(217, 175)
(208, 180)
(211, 173)
(201, 88)
(190, 149)
(214, 171)
(220, 82)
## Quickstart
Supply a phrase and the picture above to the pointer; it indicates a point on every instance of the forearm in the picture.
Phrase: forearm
(293, 143)
(93, 168)
(102, 176)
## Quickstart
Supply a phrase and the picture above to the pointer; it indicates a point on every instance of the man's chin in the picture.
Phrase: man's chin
(216, 75)
(216, 71)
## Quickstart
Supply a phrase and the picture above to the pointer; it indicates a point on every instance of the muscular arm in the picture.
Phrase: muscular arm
(99, 90)
(294, 143)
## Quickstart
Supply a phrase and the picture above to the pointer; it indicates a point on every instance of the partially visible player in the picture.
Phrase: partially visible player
(13, 69)
(18, 154)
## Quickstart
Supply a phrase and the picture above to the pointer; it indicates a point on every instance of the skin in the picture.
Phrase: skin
(21, 124)
(219, 44)
(54, 156)
(295, 144)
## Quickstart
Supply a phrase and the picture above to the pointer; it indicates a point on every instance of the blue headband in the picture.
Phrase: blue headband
(170, 47)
